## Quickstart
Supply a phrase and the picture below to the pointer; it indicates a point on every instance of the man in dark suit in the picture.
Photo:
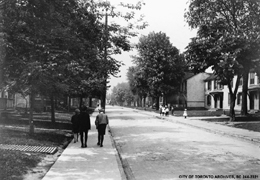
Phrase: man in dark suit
(84, 127)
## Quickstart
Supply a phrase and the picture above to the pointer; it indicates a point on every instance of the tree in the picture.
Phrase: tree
(43, 39)
(121, 94)
(160, 63)
(116, 37)
(227, 39)
(138, 84)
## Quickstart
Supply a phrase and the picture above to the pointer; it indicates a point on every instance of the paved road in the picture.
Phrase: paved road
(155, 149)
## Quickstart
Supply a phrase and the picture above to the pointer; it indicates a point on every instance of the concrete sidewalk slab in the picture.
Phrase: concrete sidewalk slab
(93, 162)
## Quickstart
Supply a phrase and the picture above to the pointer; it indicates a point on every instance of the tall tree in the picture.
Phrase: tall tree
(161, 64)
(44, 38)
(138, 83)
(228, 39)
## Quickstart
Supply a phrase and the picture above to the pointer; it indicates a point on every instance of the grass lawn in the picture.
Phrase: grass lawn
(15, 164)
(252, 126)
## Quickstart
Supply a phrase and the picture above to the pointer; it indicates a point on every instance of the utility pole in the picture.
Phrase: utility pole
(104, 93)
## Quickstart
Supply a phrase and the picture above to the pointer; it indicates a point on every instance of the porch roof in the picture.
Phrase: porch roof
(254, 88)
(211, 77)
(216, 92)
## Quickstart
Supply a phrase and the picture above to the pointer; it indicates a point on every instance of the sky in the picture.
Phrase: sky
(166, 16)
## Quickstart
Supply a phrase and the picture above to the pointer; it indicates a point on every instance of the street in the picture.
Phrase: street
(152, 148)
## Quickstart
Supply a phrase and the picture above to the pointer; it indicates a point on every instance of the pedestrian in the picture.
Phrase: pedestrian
(84, 127)
(75, 125)
(101, 123)
(166, 111)
(163, 110)
(172, 110)
(160, 110)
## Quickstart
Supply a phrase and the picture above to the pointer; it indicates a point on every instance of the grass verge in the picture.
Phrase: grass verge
(14, 165)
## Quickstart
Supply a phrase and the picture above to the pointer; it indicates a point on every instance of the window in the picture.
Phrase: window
(220, 86)
(215, 84)
(252, 78)
(209, 85)
(209, 100)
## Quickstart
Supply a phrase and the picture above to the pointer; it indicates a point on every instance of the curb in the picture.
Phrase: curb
(118, 156)
(127, 173)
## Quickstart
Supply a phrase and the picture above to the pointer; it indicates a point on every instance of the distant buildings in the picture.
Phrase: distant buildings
(217, 96)
(204, 91)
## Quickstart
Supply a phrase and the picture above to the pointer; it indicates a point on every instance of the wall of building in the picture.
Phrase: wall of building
(226, 98)
(196, 90)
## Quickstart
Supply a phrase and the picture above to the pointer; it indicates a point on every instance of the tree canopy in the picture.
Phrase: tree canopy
(159, 63)
(228, 39)
(63, 47)
(56, 45)
(121, 94)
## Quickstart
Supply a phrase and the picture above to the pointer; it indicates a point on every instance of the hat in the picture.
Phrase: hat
(84, 108)
(77, 110)
(101, 110)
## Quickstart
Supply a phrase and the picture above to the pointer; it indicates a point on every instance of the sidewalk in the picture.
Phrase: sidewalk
(243, 134)
(90, 163)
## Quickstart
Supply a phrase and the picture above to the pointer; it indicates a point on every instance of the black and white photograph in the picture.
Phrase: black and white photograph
(129, 90)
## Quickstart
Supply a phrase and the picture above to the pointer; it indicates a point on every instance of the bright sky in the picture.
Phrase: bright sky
(166, 16)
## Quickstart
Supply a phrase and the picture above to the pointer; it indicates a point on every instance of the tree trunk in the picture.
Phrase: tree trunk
(139, 101)
(26, 106)
(68, 104)
(55, 103)
(233, 95)
(232, 115)
(52, 109)
(244, 94)
(164, 99)
(144, 101)
(31, 124)
(90, 101)
(157, 102)
(80, 101)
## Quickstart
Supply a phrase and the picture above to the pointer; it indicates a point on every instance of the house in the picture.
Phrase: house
(254, 91)
(6, 99)
(217, 96)
(193, 89)
(191, 93)
(214, 93)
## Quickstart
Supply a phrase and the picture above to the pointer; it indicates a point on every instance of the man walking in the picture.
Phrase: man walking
(84, 127)
(75, 125)
(101, 123)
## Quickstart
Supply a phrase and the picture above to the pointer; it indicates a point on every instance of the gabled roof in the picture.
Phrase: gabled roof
(188, 75)
(211, 77)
